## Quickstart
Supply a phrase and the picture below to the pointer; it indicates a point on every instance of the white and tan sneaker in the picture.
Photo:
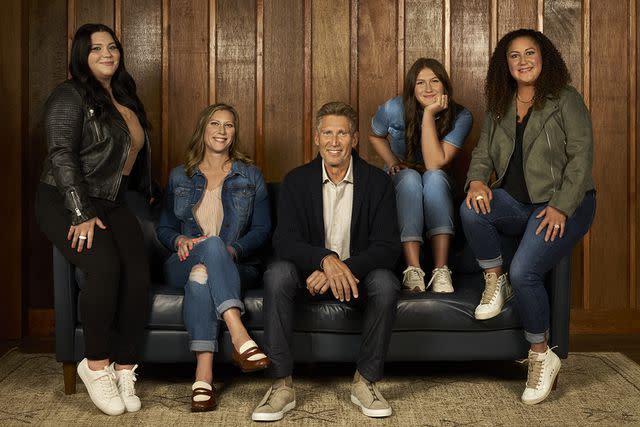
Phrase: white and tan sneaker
(125, 379)
(366, 395)
(102, 388)
(542, 376)
(279, 399)
(413, 279)
(497, 290)
(441, 279)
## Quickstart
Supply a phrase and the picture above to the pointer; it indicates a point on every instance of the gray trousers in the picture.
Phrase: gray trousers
(378, 298)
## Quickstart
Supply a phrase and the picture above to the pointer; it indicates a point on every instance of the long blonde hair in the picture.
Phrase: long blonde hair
(195, 149)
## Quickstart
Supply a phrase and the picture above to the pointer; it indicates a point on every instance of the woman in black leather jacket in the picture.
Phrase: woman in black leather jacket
(98, 147)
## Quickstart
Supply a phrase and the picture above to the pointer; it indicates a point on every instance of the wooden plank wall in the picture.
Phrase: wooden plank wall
(277, 61)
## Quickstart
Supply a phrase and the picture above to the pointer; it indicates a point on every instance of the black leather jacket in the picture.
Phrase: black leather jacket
(86, 156)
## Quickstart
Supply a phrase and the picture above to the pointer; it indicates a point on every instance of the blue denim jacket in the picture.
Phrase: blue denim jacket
(389, 120)
(247, 222)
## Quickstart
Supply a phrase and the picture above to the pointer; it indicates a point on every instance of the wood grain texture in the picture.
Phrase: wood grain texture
(633, 156)
(235, 69)
(142, 43)
(377, 68)
(637, 142)
(283, 92)
(563, 26)
(609, 110)
(424, 31)
(514, 14)
(260, 84)
(47, 33)
(188, 72)
(94, 12)
(330, 53)
(470, 39)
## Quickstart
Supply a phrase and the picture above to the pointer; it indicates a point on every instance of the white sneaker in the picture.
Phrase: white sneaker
(125, 380)
(542, 376)
(366, 395)
(497, 290)
(279, 399)
(441, 279)
(413, 279)
(102, 388)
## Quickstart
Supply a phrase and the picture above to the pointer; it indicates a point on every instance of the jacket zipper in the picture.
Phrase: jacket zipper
(513, 148)
(76, 203)
(94, 123)
(553, 177)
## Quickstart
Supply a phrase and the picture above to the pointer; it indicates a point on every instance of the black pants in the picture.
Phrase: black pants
(378, 294)
(114, 298)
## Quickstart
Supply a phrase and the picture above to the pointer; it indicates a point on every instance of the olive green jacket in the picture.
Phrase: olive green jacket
(557, 149)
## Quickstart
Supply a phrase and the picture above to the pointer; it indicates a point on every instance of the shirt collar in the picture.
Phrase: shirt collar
(347, 178)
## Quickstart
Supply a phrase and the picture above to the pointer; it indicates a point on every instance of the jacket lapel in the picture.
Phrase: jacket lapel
(508, 121)
(316, 196)
(358, 186)
(536, 123)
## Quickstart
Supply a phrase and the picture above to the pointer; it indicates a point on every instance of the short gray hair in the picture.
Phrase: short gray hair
(338, 108)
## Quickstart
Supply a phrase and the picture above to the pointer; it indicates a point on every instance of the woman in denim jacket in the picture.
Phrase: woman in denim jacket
(215, 217)
(417, 135)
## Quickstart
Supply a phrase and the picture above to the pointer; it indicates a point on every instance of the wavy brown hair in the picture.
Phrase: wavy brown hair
(413, 109)
(196, 147)
(500, 86)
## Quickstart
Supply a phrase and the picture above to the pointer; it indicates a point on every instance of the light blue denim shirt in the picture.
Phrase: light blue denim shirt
(247, 222)
(389, 120)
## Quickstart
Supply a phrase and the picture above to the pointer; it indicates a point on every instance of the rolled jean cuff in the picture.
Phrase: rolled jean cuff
(230, 303)
(404, 239)
(203, 345)
(440, 230)
(536, 338)
(490, 263)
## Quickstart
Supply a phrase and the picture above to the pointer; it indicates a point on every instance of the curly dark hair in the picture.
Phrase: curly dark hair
(413, 109)
(500, 86)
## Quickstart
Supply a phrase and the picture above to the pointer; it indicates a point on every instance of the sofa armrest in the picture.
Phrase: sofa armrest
(65, 291)
(559, 290)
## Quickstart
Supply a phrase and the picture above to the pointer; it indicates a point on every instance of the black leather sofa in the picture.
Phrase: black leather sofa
(429, 326)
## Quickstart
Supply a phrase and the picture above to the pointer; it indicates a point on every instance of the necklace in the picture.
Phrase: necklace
(524, 102)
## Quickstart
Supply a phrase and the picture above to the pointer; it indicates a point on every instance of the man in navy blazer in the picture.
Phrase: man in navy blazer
(337, 235)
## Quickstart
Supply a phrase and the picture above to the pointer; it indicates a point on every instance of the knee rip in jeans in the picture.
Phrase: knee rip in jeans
(199, 274)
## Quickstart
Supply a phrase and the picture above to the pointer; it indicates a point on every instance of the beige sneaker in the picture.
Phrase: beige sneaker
(413, 279)
(280, 399)
(366, 395)
(542, 376)
(497, 290)
(441, 279)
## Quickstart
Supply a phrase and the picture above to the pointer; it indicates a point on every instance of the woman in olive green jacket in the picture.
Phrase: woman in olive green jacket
(537, 140)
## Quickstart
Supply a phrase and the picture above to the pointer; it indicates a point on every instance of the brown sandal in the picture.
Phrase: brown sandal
(246, 365)
(203, 405)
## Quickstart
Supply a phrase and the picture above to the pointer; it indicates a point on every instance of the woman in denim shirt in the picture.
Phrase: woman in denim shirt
(418, 135)
(215, 217)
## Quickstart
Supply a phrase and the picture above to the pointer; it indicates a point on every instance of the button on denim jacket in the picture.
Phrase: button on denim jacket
(246, 224)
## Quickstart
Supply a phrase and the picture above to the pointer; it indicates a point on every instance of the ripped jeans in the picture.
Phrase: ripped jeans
(205, 298)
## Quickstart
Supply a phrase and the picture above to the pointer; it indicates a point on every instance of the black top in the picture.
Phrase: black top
(375, 238)
(513, 181)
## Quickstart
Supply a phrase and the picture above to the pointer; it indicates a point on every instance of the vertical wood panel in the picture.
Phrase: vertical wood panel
(610, 231)
(637, 142)
(236, 58)
(47, 33)
(376, 64)
(188, 72)
(633, 156)
(283, 68)
(514, 14)
(94, 12)
(563, 26)
(470, 42)
(260, 84)
(424, 31)
(142, 42)
(12, 49)
(330, 53)
(307, 72)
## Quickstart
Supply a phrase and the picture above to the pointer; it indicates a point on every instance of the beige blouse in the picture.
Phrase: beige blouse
(209, 213)
(137, 137)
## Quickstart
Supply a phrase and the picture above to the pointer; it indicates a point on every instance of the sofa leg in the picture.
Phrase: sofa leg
(69, 370)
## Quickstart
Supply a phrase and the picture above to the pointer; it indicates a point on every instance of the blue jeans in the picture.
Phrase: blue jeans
(424, 201)
(204, 303)
(533, 258)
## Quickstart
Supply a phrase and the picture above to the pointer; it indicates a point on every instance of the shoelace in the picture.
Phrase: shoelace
(490, 291)
(107, 383)
(535, 371)
(373, 391)
(414, 274)
(438, 275)
(126, 383)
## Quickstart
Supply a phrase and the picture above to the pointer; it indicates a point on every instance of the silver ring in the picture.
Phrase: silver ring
(556, 226)
(81, 237)
(479, 197)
